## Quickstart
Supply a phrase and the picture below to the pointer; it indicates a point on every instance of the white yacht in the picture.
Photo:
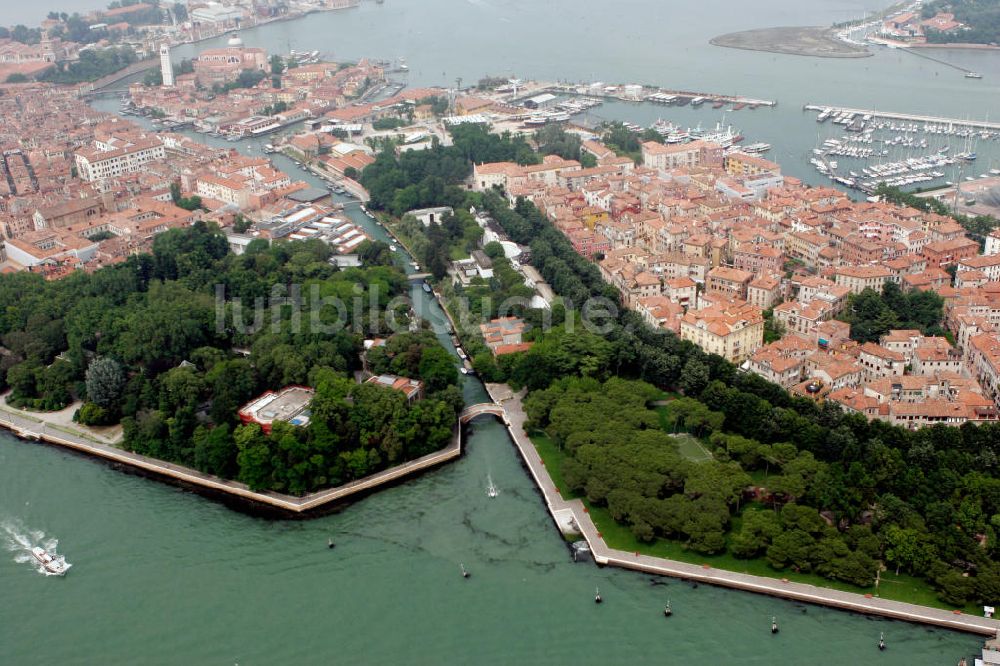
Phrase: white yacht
(51, 564)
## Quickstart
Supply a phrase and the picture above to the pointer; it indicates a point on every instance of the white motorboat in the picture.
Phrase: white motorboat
(55, 566)
(491, 489)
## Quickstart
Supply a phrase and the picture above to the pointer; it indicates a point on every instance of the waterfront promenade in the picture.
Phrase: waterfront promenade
(603, 554)
(35, 429)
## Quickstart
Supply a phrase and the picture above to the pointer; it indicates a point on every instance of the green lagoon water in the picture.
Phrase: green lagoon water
(165, 576)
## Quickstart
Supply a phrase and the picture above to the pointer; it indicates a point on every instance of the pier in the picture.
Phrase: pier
(916, 51)
(912, 117)
(714, 97)
(687, 95)
(573, 511)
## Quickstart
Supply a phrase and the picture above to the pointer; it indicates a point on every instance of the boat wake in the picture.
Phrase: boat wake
(19, 540)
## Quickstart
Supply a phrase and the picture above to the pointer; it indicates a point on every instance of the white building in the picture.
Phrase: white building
(632, 91)
(165, 66)
(993, 243)
(99, 163)
(216, 13)
(429, 216)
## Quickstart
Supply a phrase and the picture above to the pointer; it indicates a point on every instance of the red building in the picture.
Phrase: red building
(945, 253)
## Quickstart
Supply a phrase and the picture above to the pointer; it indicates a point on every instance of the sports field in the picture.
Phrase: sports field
(691, 448)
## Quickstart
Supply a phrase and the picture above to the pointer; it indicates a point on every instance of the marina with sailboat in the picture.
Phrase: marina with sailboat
(899, 150)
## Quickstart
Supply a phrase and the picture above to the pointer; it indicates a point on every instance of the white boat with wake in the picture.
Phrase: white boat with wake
(491, 489)
(53, 565)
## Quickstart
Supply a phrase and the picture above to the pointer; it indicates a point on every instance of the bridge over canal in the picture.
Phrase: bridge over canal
(473, 411)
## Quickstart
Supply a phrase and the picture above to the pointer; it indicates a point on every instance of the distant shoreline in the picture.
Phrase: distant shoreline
(816, 42)
(957, 45)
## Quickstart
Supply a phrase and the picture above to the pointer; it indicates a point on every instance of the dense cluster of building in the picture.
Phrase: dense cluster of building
(142, 26)
(81, 189)
(911, 26)
(301, 90)
(709, 243)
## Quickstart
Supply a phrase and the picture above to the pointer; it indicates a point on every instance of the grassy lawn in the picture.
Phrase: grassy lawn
(898, 588)
(552, 457)
(666, 422)
(397, 231)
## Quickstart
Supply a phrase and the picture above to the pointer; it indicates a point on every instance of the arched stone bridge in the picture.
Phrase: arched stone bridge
(472, 411)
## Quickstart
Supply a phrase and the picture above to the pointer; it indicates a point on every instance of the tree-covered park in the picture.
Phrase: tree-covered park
(141, 344)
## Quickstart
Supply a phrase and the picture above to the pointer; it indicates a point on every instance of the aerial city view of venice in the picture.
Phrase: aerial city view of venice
(441, 331)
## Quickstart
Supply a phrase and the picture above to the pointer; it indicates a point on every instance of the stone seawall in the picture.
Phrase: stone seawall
(39, 431)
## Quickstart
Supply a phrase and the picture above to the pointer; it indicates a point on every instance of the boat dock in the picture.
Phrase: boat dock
(912, 117)
(917, 52)
(699, 98)
(574, 512)
(655, 95)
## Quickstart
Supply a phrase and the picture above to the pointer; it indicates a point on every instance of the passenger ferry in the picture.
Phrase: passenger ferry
(756, 148)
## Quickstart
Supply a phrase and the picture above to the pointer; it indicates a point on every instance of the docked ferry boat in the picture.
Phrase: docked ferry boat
(756, 148)
(724, 136)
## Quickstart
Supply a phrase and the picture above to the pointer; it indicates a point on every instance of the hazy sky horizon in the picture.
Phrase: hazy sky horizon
(33, 13)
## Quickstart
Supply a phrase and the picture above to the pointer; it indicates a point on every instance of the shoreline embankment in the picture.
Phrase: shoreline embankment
(291, 505)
